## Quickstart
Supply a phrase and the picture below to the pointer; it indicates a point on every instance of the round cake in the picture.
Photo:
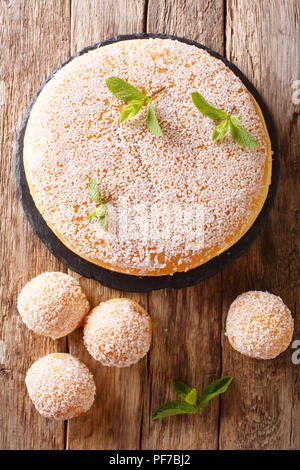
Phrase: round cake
(53, 304)
(175, 201)
(60, 386)
(118, 332)
(259, 325)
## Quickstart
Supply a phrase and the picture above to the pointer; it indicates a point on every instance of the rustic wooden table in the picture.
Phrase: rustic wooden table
(262, 408)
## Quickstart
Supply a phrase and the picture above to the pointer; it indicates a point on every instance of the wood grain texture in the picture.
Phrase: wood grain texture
(95, 20)
(263, 40)
(114, 421)
(186, 347)
(201, 20)
(34, 40)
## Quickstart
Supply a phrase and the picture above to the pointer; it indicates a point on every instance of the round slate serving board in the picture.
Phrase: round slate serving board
(126, 282)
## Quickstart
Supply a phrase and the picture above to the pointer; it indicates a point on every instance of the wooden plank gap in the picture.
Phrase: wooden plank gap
(224, 26)
(146, 6)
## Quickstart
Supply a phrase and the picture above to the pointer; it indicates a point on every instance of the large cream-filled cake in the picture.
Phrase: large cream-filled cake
(176, 200)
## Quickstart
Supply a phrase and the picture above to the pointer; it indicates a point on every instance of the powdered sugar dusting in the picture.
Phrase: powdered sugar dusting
(60, 386)
(259, 325)
(118, 333)
(74, 134)
(53, 304)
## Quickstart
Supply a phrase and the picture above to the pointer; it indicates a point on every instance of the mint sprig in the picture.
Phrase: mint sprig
(192, 403)
(229, 122)
(135, 100)
(100, 211)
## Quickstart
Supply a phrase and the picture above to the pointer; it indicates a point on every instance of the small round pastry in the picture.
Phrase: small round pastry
(60, 386)
(118, 332)
(53, 304)
(259, 325)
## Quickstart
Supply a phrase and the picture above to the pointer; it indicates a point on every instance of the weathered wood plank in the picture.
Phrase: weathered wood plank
(114, 421)
(186, 347)
(34, 37)
(261, 409)
(95, 20)
(186, 344)
(202, 21)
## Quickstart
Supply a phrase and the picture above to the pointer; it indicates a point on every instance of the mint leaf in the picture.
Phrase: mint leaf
(182, 389)
(240, 135)
(173, 408)
(93, 191)
(186, 392)
(214, 389)
(220, 130)
(191, 397)
(131, 110)
(99, 212)
(102, 222)
(123, 90)
(206, 109)
(152, 121)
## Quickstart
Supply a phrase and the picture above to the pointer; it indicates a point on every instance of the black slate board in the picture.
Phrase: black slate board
(126, 282)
